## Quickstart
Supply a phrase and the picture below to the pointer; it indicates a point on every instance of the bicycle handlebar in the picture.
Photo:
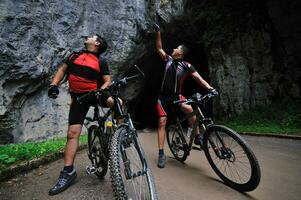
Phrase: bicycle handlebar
(114, 86)
(125, 80)
(197, 99)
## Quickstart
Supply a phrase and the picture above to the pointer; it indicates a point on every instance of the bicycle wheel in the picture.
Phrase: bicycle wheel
(231, 158)
(177, 143)
(96, 152)
(131, 178)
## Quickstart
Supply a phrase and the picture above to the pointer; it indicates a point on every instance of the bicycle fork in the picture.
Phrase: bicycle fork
(222, 152)
(128, 139)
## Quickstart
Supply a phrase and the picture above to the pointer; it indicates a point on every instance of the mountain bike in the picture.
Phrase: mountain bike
(119, 146)
(227, 152)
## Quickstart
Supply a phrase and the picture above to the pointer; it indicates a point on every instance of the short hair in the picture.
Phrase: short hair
(184, 49)
(103, 44)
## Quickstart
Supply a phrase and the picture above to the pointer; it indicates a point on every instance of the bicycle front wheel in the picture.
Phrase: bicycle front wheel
(131, 177)
(231, 158)
(96, 152)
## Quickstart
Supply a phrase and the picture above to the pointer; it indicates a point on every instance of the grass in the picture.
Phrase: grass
(15, 153)
(276, 118)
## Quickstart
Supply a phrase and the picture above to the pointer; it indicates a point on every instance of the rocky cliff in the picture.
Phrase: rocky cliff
(34, 36)
(248, 49)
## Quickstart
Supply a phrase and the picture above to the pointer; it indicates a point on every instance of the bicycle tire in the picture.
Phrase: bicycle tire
(121, 186)
(231, 158)
(96, 152)
(177, 143)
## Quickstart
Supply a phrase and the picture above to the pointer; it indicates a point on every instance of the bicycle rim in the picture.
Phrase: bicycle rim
(141, 184)
(231, 158)
(96, 152)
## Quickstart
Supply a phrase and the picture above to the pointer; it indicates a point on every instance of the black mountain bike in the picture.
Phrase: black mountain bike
(119, 147)
(227, 152)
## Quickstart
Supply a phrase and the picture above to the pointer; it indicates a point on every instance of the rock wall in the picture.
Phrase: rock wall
(33, 39)
(254, 55)
(252, 52)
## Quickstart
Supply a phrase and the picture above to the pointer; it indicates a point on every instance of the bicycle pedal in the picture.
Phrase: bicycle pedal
(90, 169)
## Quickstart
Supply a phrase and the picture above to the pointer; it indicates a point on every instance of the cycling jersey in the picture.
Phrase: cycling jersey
(85, 71)
(174, 75)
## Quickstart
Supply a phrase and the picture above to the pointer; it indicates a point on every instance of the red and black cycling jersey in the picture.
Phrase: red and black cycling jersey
(174, 75)
(85, 71)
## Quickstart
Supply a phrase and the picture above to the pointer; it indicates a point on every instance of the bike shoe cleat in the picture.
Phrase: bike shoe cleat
(161, 161)
(64, 181)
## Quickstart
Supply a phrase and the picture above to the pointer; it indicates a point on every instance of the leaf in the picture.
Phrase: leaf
(10, 160)
(3, 157)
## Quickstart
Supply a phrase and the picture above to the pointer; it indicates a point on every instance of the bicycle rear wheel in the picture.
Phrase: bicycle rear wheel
(96, 151)
(131, 177)
(231, 158)
(177, 143)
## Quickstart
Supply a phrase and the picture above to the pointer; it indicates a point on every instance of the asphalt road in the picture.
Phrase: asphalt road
(280, 162)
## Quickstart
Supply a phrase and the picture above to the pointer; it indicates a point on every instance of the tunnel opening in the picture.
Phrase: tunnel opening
(144, 106)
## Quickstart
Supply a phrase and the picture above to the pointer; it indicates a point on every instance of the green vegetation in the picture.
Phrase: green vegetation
(15, 153)
(276, 118)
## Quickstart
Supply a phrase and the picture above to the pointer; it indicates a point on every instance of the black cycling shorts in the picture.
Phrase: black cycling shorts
(78, 112)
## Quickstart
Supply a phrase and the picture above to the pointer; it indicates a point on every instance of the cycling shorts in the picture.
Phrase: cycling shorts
(165, 103)
(78, 112)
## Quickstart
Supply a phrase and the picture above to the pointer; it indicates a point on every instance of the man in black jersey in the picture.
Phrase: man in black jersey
(176, 70)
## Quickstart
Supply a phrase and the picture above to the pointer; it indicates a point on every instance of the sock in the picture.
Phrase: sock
(161, 152)
(68, 169)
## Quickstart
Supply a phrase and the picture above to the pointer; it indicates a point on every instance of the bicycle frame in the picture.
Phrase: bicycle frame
(199, 118)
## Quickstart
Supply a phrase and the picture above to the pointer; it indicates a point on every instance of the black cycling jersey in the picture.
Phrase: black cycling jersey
(175, 72)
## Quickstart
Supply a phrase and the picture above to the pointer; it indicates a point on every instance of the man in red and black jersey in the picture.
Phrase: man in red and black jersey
(86, 72)
(176, 70)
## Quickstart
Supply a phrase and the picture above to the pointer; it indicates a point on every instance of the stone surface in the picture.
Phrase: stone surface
(33, 38)
(251, 50)
(262, 62)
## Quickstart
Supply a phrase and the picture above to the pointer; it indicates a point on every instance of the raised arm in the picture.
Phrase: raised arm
(159, 48)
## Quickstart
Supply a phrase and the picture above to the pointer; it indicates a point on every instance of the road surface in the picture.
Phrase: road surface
(280, 161)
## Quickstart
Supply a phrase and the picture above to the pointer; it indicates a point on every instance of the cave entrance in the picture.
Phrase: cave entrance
(144, 110)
